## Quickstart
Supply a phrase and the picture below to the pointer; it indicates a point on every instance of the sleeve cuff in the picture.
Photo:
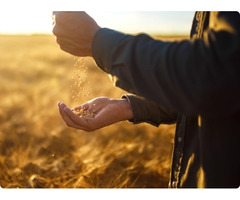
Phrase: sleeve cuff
(149, 112)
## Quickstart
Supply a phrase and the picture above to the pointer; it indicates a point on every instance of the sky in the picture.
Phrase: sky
(153, 22)
(130, 16)
(30, 17)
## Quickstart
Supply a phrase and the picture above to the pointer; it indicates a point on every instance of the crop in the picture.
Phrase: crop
(37, 149)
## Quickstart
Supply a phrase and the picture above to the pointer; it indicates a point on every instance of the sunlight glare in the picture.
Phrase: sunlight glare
(25, 21)
(31, 17)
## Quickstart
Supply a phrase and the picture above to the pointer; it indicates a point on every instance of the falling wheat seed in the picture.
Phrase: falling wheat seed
(78, 89)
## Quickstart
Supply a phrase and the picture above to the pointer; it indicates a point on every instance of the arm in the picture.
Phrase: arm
(147, 111)
(70, 28)
(105, 111)
(199, 76)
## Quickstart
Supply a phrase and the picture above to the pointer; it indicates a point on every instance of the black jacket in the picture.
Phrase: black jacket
(195, 82)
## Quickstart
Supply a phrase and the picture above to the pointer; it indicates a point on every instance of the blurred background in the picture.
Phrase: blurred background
(37, 149)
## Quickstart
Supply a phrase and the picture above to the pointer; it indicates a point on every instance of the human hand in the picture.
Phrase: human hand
(74, 32)
(101, 111)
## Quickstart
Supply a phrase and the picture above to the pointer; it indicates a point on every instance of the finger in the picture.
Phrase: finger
(66, 118)
(69, 45)
(60, 110)
(60, 25)
(73, 116)
(59, 16)
(55, 12)
(61, 107)
(59, 31)
(66, 17)
(86, 124)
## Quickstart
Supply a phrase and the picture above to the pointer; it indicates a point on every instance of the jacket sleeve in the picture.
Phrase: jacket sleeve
(149, 112)
(198, 76)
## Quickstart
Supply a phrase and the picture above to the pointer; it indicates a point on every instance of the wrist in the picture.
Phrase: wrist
(125, 109)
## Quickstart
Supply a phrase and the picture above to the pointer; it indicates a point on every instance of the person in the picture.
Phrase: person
(193, 82)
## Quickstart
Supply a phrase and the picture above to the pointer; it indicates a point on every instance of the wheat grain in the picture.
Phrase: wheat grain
(79, 83)
(83, 113)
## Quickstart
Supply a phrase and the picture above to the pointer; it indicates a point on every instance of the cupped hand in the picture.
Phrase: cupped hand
(74, 31)
(103, 112)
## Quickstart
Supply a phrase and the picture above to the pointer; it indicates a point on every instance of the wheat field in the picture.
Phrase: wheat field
(37, 149)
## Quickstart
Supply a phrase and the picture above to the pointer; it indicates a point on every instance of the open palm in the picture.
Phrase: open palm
(105, 111)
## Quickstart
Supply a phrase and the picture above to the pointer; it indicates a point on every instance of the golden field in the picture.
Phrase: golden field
(37, 149)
